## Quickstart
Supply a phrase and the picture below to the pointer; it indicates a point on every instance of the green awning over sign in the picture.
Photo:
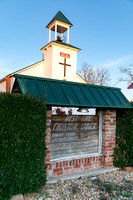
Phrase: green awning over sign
(71, 94)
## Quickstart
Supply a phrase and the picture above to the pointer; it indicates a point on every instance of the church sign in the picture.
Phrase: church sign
(65, 55)
(74, 135)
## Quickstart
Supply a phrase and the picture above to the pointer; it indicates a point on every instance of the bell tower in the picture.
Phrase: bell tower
(60, 58)
(59, 24)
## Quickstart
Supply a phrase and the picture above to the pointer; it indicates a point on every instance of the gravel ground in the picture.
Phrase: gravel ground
(108, 186)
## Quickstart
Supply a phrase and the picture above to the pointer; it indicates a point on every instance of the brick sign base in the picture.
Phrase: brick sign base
(72, 165)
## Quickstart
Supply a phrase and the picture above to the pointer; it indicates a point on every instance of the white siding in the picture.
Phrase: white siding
(35, 70)
(3, 86)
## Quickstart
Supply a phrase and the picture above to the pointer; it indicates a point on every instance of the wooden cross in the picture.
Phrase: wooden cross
(65, 66)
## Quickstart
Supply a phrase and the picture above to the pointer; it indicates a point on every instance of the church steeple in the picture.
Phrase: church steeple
(60, 58)
(59, 24)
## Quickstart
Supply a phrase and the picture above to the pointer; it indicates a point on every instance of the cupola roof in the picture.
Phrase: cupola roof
(60, 17)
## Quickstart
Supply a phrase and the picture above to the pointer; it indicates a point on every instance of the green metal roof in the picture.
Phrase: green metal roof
(72, 94)
(60, 17)
(63, 44)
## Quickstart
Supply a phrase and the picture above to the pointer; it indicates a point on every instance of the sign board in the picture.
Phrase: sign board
(74, 135)
(65, 55)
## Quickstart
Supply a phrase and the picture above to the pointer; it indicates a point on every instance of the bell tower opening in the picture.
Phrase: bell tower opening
(59, 25)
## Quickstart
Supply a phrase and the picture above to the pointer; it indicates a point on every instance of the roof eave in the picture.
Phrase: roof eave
(3, 79)
(55, 20)
(59, 44)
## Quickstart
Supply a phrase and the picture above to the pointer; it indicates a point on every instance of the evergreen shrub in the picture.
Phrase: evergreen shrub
(22, 148)
(123, 153)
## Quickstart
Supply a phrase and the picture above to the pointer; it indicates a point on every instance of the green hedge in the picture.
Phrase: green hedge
(123, 153)
(22, 148)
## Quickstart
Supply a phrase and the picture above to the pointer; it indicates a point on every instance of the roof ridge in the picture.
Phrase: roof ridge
(65, 82)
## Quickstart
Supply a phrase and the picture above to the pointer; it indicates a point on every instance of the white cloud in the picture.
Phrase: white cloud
(119, 61)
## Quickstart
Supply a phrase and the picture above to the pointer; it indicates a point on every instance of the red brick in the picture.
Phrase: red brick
(58, 170)
(47, 140)
(68, 171)
(80, 161)
(107, 120)
(112, 123)
(67, 168)
(77, 166)
(108, 140)
(48, 143)
(47, 160)
(106, 127)
(112, 130)
(47, 152)
(61, 164)
(47, 156)
(48, 136)
(109, 165)
(108, 113)
(76, 162)
(58, 173)
(65, 163)
(73, 162)
(112, 117)
(86, 168)
(57, 165)
(87, 164)
(48, 166)
(109, 162)
(48, 130)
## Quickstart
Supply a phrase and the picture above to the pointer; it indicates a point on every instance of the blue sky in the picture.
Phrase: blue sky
(103, 29)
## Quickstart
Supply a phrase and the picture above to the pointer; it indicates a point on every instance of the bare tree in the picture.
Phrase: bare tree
(128, 71)
(95, 75)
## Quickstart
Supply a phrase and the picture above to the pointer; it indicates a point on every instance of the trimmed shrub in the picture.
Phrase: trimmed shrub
(123, 153)
(22, 149)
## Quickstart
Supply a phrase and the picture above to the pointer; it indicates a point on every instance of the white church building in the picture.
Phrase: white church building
(59, 58)
(75, 143)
